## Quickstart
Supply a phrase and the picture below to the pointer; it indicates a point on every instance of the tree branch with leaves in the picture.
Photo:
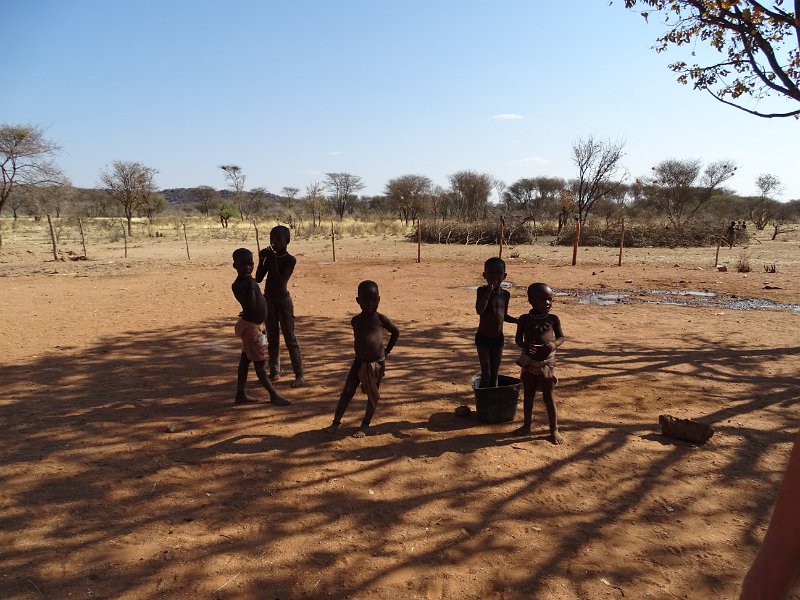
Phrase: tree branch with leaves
(758, 43)
(26, 159)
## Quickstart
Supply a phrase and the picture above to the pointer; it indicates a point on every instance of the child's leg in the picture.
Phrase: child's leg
(241, 380)
(484, 355)
(274, 396)
(495, 356)
(529, 391)
(552, 413)
(273, 340)
(350, 387)
(286, 318)
(370, 377)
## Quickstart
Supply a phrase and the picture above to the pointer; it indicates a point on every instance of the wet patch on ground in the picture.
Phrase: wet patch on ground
(686, 298)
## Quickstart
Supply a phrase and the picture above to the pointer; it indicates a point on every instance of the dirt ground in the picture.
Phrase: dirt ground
(127, 472)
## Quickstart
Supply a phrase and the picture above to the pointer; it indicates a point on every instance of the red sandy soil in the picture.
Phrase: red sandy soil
(127, 472)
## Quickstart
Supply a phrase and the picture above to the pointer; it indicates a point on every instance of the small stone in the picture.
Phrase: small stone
(629, 281)
(722, 268)
(169, 428)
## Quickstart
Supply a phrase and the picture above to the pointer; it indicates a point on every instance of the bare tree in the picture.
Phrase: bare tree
(130, 184)
(315, 201)
(470, 193)
(255, 201)
(206, 198)
(533, 195)
(342, 187)
(758, 43)
(598, 164)
(235, 178)
(290, 192)
(408, 195)
(785, 213)
(26, 158)
(41, 199)
(761, 209)
(678, 189)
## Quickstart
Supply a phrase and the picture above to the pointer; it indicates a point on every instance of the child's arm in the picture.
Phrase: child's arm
(506, 317)
(777, 563)
(261, 270)
(551, 346)
(483, 296)
(394, 333)
(519, 338)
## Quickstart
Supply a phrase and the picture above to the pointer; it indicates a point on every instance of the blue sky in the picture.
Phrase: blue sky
(291, 90)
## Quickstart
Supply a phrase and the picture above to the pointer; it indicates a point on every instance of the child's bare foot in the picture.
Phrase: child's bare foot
(279, 400)
(298, 382)
(360, 433)
(244, 400)
(556, 437)
(524, 430)
(332, 428)
(274, 375)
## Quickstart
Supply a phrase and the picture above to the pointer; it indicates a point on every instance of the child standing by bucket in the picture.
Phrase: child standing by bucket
(539, 334)
(492, 306)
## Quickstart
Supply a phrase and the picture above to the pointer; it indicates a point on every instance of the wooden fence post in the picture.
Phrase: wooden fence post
(125, 238)
(719, 241)
(621, 242)
(83, 237)
(576, 240)
(333, 242)
(185, 237)
(419, 240)
(502, 232)
(53, 238)
(258, 244)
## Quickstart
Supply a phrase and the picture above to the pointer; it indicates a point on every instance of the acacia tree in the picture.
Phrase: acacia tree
(785, 213)
(38, 200)
(470, 192)
(235, 178)
(598, 164)
(408, 195)
(761, 209)
(679, 188)
(530, 195)
(315, 201)
(206, 197)
(130, 184)
(758, 43)
(290, 192)
(342, 187)
(255, 200)
(26, 158)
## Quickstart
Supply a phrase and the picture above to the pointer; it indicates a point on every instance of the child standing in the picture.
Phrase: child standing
(278, 265)
(369, 364)
(539, 334)
(249, 327)
(492, 306)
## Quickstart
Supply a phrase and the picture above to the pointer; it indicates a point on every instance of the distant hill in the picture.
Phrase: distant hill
(183, 197)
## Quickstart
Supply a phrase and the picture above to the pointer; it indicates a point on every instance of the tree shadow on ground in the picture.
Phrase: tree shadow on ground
(132, 474)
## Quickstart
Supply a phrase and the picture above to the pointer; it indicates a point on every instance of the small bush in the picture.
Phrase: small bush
(770, 268)
(743, 263)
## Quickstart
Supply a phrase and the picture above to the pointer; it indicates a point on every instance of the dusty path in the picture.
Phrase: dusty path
(126, 472)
